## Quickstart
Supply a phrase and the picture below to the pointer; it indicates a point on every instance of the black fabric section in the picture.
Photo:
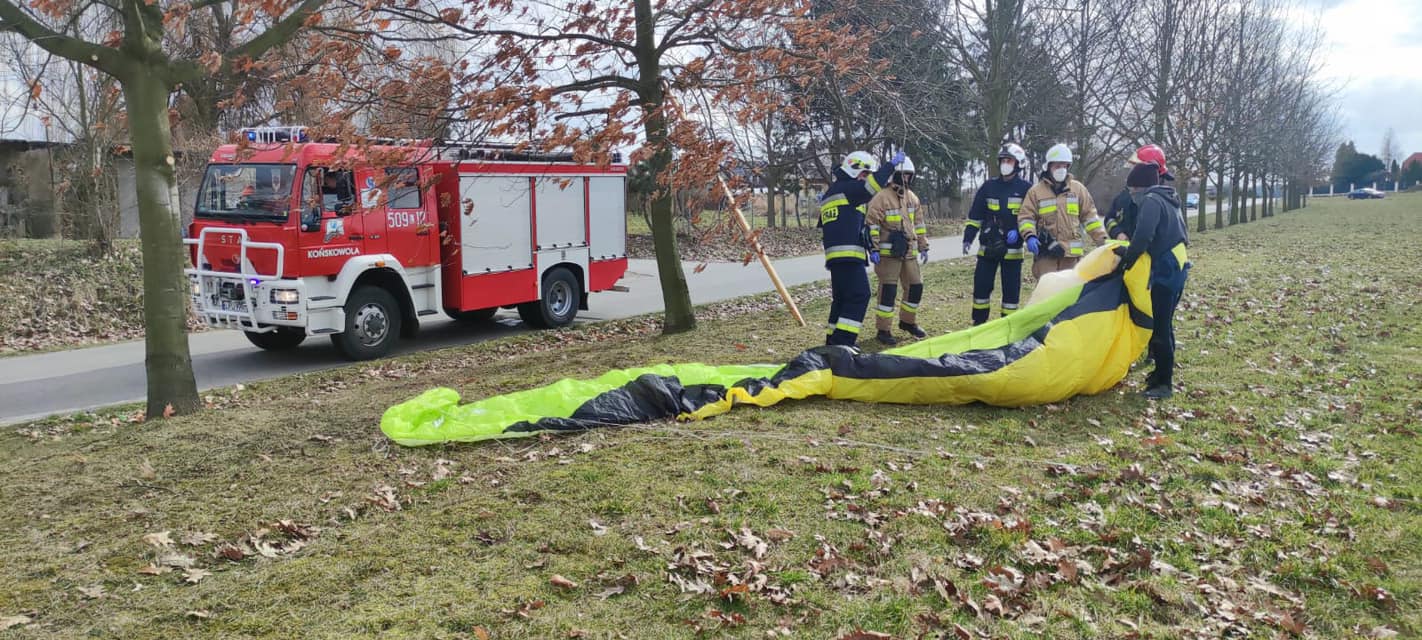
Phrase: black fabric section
(915, 294)
(887, 293)
(650, 397)
(1104, 294)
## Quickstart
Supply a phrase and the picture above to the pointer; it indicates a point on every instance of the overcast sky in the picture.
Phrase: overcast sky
(1374, 50)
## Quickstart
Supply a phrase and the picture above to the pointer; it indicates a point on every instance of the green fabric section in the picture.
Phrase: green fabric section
(436, 415)
(995, 334)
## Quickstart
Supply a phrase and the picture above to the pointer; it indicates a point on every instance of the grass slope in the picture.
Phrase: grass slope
(1277, 495)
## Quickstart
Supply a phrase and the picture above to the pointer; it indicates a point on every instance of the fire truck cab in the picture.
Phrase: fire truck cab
(294, 238)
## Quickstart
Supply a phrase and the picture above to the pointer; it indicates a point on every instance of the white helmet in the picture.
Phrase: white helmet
(1059, 153)
(859, 162)
(1015, 152)
(906, 166)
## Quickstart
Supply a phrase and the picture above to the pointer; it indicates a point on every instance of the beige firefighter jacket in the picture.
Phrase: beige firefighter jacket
(1064, 215)
(891, 211)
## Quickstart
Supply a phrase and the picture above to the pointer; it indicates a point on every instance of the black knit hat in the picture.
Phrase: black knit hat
(1144, 175)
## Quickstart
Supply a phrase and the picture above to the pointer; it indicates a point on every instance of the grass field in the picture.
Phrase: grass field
(1279, 494)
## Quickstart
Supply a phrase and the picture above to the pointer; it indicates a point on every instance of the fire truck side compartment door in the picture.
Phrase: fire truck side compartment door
(496, 234)
(607, 217)
(559, 203)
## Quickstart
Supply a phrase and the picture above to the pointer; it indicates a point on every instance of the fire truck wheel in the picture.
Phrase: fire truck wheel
(372, 324)
(282, 339)
(559, 305)
(477, 315)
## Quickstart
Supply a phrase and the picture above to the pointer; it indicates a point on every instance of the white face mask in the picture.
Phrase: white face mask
(1059, 175)
(1007, 168)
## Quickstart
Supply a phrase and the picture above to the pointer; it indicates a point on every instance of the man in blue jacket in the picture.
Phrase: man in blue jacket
(846, 240)
(993, 221)
(1160, 231)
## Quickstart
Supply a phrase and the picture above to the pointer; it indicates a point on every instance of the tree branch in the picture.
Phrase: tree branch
(15, 19)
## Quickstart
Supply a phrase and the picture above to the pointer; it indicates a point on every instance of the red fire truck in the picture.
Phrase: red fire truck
(294, 238)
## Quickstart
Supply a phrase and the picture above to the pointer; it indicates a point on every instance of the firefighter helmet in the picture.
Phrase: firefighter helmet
(1150, 154)
(858, 162)
(1013, 151)
(1059, 153)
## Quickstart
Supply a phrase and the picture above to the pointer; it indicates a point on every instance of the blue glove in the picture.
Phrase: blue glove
(1012, 236)
(898, 157)
(923, 256)
(1034, 246)
(874, 257)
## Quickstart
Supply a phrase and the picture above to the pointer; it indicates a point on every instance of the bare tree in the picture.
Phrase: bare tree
(148, 73)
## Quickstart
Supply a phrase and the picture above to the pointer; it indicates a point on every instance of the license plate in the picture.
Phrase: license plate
(234, 305)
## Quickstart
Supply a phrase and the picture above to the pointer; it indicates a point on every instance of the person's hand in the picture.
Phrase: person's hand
(967, 246)
(923, 256)
(874, 257)
(1123, 237)
(1119, 250)
(1033, 245)
(1012, 236)
(898, 157)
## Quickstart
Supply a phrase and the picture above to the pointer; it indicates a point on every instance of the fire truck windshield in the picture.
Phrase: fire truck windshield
(258, 191)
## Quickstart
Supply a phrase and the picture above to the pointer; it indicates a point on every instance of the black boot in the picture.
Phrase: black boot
(913, 329)
(1158, 392)
(886, 338)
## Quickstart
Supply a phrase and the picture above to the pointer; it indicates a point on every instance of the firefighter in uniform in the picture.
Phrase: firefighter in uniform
(899, 235)
(993, 222)
(846, 241)
(1161, 232)
(1121, 218)
(1053, 215)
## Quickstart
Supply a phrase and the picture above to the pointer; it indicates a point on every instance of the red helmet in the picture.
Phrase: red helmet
(1151, 154)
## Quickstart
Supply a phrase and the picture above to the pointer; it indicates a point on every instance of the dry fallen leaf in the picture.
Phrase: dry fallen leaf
(146, 470)
(169, 411)
(154, 570)
(560, 581)
(160, 539)
(13, 621)
(860, 634)
(193, 575)
(200, 615)
(93, 593)
(197, 538)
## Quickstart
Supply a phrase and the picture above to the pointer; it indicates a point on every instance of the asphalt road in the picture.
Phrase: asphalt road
(40, 385)
(36, 386)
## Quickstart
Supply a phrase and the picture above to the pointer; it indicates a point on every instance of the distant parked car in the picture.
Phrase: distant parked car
(1192, 201)
(1366, 193)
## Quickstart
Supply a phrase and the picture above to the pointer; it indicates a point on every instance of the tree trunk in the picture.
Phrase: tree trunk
(1219, 200)
(1204, 204)
(770, 205)
(165, 291)
(1253, 198)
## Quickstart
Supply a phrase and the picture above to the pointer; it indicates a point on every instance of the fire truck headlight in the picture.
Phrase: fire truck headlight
(196, 287)
(285, 296)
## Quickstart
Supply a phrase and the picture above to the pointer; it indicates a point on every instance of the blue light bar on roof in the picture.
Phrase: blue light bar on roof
(275, 134)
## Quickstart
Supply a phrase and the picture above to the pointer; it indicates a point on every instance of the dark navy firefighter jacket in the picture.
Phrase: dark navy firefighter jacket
(995, 206)
(842, 215)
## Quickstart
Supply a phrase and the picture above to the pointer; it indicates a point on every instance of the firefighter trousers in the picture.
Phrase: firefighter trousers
(849, 299)
(984, 275)
(893, 273)
(1043, 265)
